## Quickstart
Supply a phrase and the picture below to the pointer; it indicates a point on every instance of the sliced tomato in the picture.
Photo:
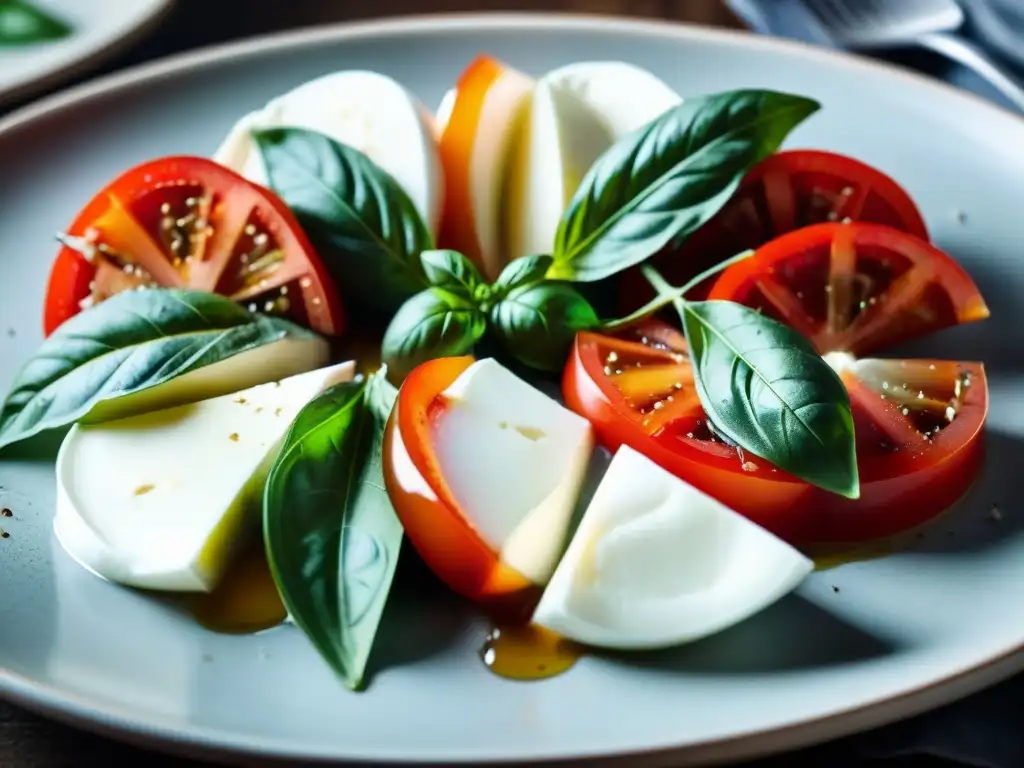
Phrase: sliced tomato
(474, 147)
(430, 515)
(855, 288)
(784, 192)
(187, 222)
(918, 423)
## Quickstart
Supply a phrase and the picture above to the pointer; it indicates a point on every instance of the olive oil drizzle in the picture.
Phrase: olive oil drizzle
(245, 601)
(527, 652)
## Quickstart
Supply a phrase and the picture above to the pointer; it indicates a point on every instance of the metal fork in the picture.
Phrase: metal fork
(867, 24)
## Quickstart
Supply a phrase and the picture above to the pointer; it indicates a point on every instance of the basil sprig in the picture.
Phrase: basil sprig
(366, 229)
(23, 23)
(666, 179)
(331, 534)
(534, 318)
(764, 387)
(106, 361)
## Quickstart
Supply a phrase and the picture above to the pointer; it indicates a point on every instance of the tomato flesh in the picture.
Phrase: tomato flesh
(437, 527)
(187, 222)
(918, 425)
(854, 287)
(784, 192)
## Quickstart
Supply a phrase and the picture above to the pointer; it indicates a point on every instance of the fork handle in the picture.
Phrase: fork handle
(963, 51)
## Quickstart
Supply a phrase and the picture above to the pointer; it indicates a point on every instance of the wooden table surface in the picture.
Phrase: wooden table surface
(28, 741)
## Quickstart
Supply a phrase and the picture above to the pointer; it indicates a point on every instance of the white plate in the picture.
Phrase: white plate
(902, 634)
(99, 28)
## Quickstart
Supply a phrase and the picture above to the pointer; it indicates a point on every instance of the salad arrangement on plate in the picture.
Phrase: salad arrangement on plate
(547, 274)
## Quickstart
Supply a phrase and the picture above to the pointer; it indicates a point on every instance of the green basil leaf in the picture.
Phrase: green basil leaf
(433, 323)
(669, 177)
(126, 346)
(331, 534)
(367, 230)
(765, 388)
(521, 271)
(452, 271)
(537, 322)
(22, 23)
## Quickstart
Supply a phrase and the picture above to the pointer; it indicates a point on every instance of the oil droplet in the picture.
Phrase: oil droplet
(245, 601)
(824, 561)
(527, 652)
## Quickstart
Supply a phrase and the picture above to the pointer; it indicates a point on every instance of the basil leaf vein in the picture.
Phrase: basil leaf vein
(452, 271)
(123, 346)
(764, 387)
(521, 271)
(537, 322)
(667, 178)
(332, 537)
(434, 323)
(367, 230)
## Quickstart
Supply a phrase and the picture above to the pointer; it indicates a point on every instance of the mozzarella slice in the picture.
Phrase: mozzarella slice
(162, 500)
(514, 460)
(657, 563)
(478, 165)
(576, 113)
(364, 110)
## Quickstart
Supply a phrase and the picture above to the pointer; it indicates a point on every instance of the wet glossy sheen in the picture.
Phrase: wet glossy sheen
(245, 601)
(96, 652)
(527, 652)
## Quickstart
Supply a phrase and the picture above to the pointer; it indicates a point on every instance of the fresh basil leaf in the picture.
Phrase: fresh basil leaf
(331, 534)
(537, 323)
(22, 23)
(127, 345)
(765, 388)
(367, 230)
(521, 271)
(433, 323)
(452, 271)
(669, 177)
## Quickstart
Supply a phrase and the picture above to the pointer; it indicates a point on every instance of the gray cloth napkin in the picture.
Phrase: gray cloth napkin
(984, 730)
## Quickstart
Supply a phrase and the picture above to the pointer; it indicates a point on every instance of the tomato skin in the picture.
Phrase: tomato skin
(899, 490)
(458, 229)
(903, 490)
(769, 497)
(949, 294)
(430, 515)
(116, 210)
(877, 198)
(68, 285)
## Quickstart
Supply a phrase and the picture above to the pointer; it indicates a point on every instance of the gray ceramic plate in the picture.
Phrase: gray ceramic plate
(99, 28)
(902, 634)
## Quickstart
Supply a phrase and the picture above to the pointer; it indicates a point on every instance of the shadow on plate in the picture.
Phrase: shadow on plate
(792, 635)
(422, 618)
(41, 447)
(989, 515)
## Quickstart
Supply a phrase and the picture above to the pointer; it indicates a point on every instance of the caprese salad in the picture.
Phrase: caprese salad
(713, 308)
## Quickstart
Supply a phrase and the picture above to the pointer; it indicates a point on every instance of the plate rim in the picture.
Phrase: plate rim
(119, 724)
(105, 48)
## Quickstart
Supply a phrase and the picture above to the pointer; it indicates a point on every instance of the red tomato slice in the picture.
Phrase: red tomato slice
(187, 222)
(856, 288)
(474, 146)
(786, 191)
(430, 515)
(919, 426)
